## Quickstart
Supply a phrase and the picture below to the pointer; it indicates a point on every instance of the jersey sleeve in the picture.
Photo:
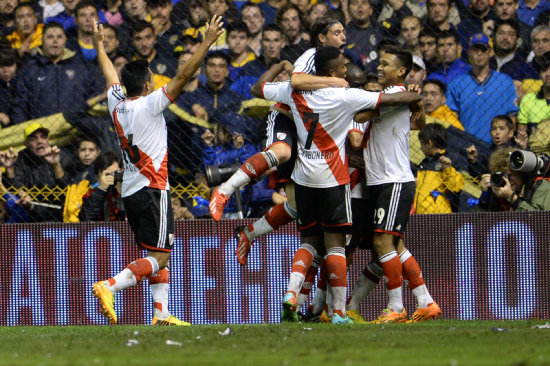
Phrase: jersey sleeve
(305, 63)
(115, 95)
(158, 101)
(279, 92)
(357, 99)
(358, 127)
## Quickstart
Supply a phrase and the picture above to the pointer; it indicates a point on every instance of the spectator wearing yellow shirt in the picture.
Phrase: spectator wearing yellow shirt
(534, 106)
(28, 33)
(433, 92)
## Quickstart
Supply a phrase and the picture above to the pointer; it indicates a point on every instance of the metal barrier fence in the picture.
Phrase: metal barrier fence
(476, 60)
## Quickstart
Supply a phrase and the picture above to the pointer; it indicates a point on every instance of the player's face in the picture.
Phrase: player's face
(25, 20)
(216, 70)
(541, 43)
(448, 50)
(272, 43)
(85, 19)
(53, 42)
(506, 9)
(428, 47)
(500, 133)
(390, 70)
(253, 18)
(110, 41)
(144, 42)
(237, 42)
(87, 152)
(433, 98)
(335, 37)
(479, 55)
(162, 13)
(339, 70)
(438, 10)
(38, 142)
(360, 10)
(290, 24)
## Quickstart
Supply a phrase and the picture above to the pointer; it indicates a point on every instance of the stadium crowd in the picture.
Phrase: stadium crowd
(484, 68)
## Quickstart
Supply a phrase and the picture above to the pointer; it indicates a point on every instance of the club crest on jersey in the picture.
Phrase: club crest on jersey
(281, 135)
(161, 68)
(173, 39)
(70, 74)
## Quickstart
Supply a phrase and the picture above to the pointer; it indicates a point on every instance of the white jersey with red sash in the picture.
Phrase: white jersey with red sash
(141, 130)
(322, 119)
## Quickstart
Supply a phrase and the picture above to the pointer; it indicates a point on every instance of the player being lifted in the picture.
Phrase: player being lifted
(322, 118)
(281, 140)
(391, 188)
(141, 129)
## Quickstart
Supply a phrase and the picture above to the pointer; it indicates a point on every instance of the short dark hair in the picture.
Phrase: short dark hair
(321, 26)
(439, 83)
(510, 22)
(355, 76)
(428, 32)
(9, 57)
(505, 118)
(105, 159)
(542, 63)
(134, 75)
(434, 132)
(84, 4)
(156, 3)
(108, 26)
(23, 5)
(451, 33)
(52, 24)
(88, 138)
(272, 28)
(385, 43)
(372, 77)
(140, 25)
(237, 26)
(250, 4)
(324, 57)
(283, 9)
(217, 54)
(404, 57)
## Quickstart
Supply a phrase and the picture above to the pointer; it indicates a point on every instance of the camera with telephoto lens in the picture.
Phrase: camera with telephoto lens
(118, 174)
(497, 179)
(528, 162)
(216, 175)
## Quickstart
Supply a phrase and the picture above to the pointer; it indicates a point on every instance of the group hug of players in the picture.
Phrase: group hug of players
(323, 110)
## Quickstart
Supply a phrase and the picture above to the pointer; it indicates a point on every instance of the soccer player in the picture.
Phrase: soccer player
(141, 128)
(281, 132)
(320, 175)
(391, 187)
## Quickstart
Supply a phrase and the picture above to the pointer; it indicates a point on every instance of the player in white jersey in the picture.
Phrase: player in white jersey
(281, 142)
(391, 187)
(321, 173)
(141, 129)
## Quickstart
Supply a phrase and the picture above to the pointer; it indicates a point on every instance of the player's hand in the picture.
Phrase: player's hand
(106, 179)
(356, 161)
(278, 198)
(52, 155)
(8, 158)
(214, 29)
(414, 88)
(445, 162)
(485, 182)
(98, 34)
(335, 82)
(287, 66)
(472, 153)
(208, 137)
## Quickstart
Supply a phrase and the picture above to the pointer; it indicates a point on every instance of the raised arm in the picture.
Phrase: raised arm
(105, 63)
(303, 81)
(270, 75)
(213, 31)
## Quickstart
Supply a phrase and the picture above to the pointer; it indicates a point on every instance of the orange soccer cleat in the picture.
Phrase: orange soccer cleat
(170, 321)
(432, 311)
(217, 204)
(106, 301)
(390, 316)
(243, 245)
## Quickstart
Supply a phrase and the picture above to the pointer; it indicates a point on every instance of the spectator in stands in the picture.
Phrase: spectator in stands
(534, 107)
(427, 42)
(540, 44)
(272, 43)
(437, 181)
(390, 13)
(439, 18)
(316, 11)
(80, 39)
(269, 8)
(433, 92)
(181, 212)
(12, 207)
(28, 33)
(507, 60)
(161, 62)
(449, 51)
(189, 41)
(110, 40)
(417, 75)
(223, 8)
(42, 166)
(529, 10)
(104, 202)
(7, 16)
(9, 65)
(87, 151)
(411, 27)
(113, 13)
(478, 17)
(253, 17)
(166, 32)
(134, 11)
(66, 18)
(238, 38)
(297, 41)
(193, 82)
(481, 94)
(507, 10)
(363, 33)
(49, 8)
(52, 81)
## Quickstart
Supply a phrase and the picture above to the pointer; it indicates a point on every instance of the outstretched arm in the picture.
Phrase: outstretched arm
(213, 31)
(270, 75)
(303, 81)
(105, 63)
(408, 98)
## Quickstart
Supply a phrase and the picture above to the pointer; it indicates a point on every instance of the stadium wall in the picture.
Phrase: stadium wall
(477, 266)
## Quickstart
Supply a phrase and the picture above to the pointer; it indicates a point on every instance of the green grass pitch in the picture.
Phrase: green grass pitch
(442, 342)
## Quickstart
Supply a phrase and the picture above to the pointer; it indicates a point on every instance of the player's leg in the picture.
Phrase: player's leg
(309, 280)
(427, 308)
(366, 283)
(315, 309)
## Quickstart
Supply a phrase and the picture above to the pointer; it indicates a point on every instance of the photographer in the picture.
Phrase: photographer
(103, 202)
(512, 190)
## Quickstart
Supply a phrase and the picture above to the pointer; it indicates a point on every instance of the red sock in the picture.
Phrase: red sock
(392, 271)
(255, 166)
(161, 277)
(277, 216)
(338, 277)
(141, 268)
(411, 270)
(308, 282)
(301, 261)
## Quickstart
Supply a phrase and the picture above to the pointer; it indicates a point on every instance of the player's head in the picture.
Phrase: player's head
(328, 31)
(355, 77)
(137, 78)
(330, 62)
(394, 67)
(372, 83)
(433, 138)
